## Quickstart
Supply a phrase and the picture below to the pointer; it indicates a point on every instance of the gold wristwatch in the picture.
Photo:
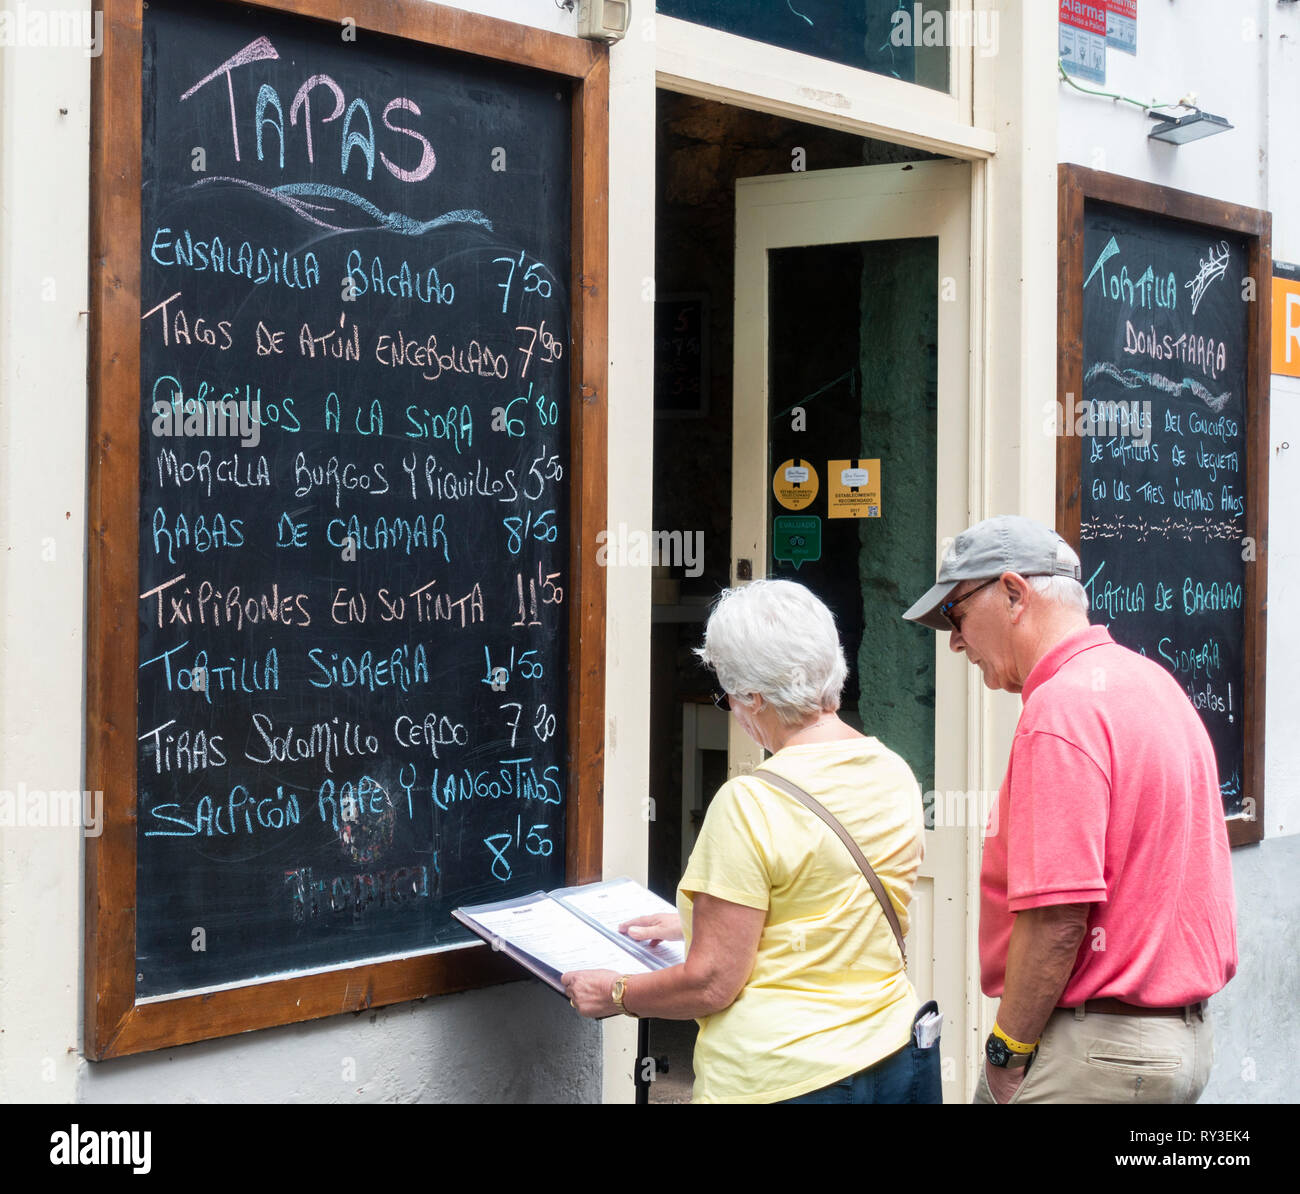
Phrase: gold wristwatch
(620, 987)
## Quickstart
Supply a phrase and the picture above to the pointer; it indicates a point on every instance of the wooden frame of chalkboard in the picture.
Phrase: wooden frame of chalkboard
(116, 1022)
(1082, 191)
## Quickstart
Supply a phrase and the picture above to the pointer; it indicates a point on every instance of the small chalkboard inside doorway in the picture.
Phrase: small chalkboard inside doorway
(682, 355)
(345, 643)
(1162, 445)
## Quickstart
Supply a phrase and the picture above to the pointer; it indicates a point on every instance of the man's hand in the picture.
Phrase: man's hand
(1003, 1083)
(1040, 958)
(590, 991)
(661, 926)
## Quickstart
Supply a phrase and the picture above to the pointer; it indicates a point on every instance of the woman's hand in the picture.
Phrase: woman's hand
(661, 926)
(724, 944)
(590, 991)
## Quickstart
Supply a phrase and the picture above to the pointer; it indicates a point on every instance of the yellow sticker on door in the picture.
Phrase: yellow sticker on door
(795, 484)
(853, 488)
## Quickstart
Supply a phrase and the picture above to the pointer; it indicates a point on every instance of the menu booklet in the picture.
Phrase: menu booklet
(574, 928)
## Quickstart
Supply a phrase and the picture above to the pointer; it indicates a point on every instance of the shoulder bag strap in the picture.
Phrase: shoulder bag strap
(872, 878)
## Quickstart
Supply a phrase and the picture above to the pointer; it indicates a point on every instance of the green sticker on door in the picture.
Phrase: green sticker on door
(796, 538)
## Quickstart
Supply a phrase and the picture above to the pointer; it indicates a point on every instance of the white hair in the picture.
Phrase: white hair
(775, 637)
(1062, 590)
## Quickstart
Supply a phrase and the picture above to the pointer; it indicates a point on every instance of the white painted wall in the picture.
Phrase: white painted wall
(43, 256)
(1242, 59)
(516, 1043)
(1282, 164)
(1214, 48)
(540, 14)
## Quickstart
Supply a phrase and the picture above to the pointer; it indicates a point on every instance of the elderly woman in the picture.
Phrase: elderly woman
(792, 969)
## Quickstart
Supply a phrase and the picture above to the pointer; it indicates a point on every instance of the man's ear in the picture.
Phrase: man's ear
(1016, 588)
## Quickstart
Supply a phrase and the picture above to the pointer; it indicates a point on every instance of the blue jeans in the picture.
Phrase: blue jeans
(911, 1075)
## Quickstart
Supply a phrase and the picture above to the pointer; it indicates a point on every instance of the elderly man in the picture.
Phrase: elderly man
(1106, 905)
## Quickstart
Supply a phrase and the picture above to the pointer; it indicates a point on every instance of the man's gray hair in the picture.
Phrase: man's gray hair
(1062, 590)
(776, 638)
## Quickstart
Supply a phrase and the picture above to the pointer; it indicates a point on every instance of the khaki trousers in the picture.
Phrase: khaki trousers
(1100, 1058)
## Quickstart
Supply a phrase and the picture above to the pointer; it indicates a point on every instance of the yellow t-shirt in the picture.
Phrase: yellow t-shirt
(828, 995)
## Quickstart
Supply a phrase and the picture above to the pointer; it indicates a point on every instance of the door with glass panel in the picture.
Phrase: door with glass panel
(850, 463)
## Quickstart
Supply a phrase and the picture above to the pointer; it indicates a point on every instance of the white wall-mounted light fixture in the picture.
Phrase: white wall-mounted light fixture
(1190, 126)
(1185, 123)
(604, 20)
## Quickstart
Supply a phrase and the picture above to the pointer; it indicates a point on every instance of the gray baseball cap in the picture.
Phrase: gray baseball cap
(1007, 543)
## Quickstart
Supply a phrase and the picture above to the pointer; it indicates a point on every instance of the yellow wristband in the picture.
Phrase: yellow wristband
(1011, 1043)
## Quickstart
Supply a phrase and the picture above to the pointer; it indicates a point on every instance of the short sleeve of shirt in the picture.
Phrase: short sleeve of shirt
(1058, 812)
(732, 858)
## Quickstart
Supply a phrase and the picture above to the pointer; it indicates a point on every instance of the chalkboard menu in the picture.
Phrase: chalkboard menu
(1161, 429)
(354, 519)
(358, 548)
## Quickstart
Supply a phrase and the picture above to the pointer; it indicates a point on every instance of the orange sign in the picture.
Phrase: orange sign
(1286, 326)
(795, 484)
(853, 488)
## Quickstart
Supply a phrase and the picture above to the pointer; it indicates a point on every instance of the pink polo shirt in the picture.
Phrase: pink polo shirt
(1111, 798)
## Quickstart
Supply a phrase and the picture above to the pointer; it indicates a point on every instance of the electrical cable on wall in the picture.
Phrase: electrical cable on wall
(1188, 101)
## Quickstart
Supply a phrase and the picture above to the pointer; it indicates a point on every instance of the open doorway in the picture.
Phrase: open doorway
(843, 304)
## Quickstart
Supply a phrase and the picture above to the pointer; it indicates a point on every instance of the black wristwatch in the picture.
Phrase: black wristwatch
(995, 1049)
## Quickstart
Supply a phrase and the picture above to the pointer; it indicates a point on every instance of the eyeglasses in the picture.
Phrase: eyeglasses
(948, 606)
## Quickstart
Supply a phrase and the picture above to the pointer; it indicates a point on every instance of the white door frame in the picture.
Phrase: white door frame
(1003, 118)
(697, 60)
(924, 199)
